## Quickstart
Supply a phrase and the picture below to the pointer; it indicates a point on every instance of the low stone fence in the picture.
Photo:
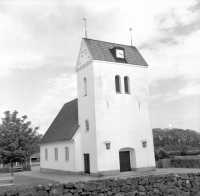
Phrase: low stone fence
(185, 163)
(178, 163)
(170, 184)
(7, 169)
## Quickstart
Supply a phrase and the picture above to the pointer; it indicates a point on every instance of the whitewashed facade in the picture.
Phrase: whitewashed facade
(114, 133)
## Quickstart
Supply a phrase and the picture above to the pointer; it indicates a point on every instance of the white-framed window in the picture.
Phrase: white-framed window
(126, 85)
(46, 154)
(56, 154)
(86, 125)
(67, 154)
(85, 86)
(118, 84)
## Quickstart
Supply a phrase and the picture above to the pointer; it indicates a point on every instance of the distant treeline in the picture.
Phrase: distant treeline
(176, 139)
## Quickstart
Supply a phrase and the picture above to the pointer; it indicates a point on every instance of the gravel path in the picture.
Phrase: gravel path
(75, 178)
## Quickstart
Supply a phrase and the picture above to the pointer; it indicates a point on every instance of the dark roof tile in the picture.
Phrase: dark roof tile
(64, 125)
(101, 51)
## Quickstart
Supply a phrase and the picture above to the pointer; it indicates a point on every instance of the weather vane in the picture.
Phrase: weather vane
(131, 35)
(85, 28)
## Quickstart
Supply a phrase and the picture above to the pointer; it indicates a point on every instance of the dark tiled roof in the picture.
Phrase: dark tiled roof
(101, 51)
(64, 125)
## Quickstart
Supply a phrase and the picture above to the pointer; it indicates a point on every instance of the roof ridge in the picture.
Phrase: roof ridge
(70, 101)
(109, 42)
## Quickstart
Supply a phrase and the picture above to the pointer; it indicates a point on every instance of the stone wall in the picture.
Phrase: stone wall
(178, 163)
(185, 163)
(170, 184)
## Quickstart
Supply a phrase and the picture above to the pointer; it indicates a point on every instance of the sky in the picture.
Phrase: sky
(40, 42)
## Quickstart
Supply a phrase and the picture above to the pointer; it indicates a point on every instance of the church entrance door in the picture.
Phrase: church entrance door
(124, 159)
(87, 163)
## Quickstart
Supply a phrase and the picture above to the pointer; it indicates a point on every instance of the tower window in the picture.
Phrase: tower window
(126, 85)
(56, 154)
(117, 84)
(86, 125)
(66, 154)
(85, 87)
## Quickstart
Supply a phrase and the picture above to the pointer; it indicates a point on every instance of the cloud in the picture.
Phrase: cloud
(191, 89)
(171, 61)
(15, 50)
(41, 35)
(156, 96)
(62, 90)
(30, 37)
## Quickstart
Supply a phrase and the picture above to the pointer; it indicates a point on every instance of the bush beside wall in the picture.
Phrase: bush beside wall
(170, 184)
(27, 167)
(163, 163)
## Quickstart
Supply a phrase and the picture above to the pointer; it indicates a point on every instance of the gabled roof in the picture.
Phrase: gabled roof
(64, 125)
(100, 50)
(36, 155)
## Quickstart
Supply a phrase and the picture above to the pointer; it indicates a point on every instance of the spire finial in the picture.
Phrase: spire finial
(131, 35)
(85, 28)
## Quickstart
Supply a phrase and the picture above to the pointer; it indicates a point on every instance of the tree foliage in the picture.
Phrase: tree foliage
(161, 154)
(18, 141)
(176, 139)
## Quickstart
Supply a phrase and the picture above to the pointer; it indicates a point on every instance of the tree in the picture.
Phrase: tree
(18, 141)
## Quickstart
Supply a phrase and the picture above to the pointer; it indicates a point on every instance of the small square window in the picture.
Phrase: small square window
(107, 143)
(86, 125)
(144, 143)
(108, 146)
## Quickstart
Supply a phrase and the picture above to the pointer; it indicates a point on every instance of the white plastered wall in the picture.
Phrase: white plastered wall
(86, 108)
(122, 119)
(61, 163)
(78, 151)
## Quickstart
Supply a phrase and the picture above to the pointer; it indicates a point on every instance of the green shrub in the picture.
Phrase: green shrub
(161, 154)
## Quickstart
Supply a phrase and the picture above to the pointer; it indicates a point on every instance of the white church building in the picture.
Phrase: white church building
(107, 130)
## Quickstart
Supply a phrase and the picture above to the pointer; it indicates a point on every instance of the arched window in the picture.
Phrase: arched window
(85, 87)
(126, 84)
(117, 84)
(46, 154)
(66, 154)
(56, 154)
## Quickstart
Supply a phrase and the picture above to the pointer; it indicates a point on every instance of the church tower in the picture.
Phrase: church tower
(113, 109)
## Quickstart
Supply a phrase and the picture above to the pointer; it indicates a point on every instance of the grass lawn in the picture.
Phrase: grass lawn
(25, 181)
